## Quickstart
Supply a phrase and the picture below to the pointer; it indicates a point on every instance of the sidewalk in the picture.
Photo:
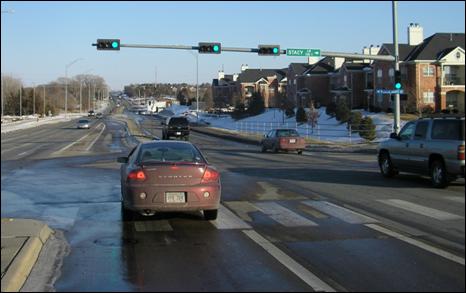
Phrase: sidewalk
(369, 148)
(22, 242)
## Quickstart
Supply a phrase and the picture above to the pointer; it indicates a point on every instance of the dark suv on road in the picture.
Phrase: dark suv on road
(177, 127)
(433, 146)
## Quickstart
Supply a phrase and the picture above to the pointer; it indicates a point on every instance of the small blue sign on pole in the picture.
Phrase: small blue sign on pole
(388, 92)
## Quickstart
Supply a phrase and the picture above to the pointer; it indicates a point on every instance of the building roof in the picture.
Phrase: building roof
(435, 46)
(253, 75)
(403, 50)
(323, 66)
(356, 66)
(299, 68)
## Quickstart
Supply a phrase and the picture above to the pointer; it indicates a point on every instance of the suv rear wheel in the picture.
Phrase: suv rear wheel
(386, 165)
(438, 174)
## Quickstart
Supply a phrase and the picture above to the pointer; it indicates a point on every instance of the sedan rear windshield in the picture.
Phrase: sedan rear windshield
(83, 121)
(179, 121)
(448, 129)
(170, 153)
(287, 133)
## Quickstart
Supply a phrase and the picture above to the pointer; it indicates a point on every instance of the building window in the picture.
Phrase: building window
(428, 71)
(428, 97)
(379, 73)
(391, 74)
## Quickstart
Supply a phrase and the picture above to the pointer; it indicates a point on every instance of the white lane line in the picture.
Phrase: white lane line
(242, 209)
(341, 213)
(71, 144)
(228, 220)
(422, 210)
(300, 271)
(28, 152)
(283, 215)
(417, 243)
(94, 141)
(455, 198)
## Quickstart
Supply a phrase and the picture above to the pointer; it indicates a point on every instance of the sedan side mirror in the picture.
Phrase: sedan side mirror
(394, 136)
(123, 160)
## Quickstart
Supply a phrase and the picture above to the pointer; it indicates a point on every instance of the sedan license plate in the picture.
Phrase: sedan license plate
(178, 133)
(175, 197)
(292, 140)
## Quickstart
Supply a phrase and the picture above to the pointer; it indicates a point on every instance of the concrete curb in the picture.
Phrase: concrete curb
(311, 148)
(35, 234)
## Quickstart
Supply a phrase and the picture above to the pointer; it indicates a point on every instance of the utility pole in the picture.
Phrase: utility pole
(33, 99)
(43, 87)
(3, 98)
(66, 84)
(396, 126)
(80, 97)
(89, 97)
(20, 101)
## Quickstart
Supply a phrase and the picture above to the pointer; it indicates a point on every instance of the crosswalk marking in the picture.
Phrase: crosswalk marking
(283, 215)
(417, 243)
(300, 271)
(242, 209)
(152, 226)
(419, 209)
(341, 213)
(228, 220)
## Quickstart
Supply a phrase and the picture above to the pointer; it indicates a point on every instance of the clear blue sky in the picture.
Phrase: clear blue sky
(39, 38)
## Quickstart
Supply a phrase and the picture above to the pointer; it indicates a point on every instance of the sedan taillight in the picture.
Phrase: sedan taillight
(137, 175)
(461, 152)
(210, 175)
(283, 140)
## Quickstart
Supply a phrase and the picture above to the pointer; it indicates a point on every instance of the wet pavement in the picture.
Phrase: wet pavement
(314, 213)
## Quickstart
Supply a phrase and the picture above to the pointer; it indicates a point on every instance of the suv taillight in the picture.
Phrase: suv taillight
(461, 152)
(137, 175)
(210, 175)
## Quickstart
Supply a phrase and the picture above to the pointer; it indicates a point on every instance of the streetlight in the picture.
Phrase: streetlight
(197, 84)
(66, 84)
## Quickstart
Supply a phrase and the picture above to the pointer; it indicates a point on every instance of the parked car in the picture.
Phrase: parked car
(166, 176)
(433, 146)
(83, 124)
(91, 113)
(177, 127)
(283, 140)
(99, 115)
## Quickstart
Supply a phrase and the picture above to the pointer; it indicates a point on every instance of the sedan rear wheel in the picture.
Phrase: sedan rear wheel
(300, 152)
(210, 215)
(263, 149)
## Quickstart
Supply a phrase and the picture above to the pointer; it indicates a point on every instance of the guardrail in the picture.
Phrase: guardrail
(321, 131)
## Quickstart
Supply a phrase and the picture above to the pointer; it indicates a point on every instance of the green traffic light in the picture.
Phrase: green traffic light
(216, 48)
(398, 85)
(115, 45)
(275, 50)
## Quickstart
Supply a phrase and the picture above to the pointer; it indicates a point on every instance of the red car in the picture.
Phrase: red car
(168, 176)
(283, 139)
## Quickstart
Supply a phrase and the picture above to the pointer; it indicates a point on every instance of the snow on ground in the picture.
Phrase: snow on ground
(30, 121)
(327, 129)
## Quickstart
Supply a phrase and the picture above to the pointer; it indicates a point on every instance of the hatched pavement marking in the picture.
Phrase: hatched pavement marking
(283, 215)
(341, 213)
(419, 209)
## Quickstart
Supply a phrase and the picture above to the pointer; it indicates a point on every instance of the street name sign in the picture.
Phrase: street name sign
(389, 92)
(303, 52)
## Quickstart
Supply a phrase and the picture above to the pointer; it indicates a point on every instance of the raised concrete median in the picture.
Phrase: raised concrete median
(22, 242)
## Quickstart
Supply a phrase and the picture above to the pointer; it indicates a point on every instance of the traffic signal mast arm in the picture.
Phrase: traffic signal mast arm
(256, 50)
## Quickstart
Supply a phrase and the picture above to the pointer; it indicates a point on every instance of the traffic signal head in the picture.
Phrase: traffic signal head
(269, 50)
(210, 48)
(108, 44)
(398, 85)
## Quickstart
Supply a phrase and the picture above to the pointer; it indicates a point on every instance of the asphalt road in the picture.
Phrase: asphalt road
(320, 221)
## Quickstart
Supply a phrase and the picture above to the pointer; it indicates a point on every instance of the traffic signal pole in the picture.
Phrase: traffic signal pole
(396, 126)
(256, 50)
